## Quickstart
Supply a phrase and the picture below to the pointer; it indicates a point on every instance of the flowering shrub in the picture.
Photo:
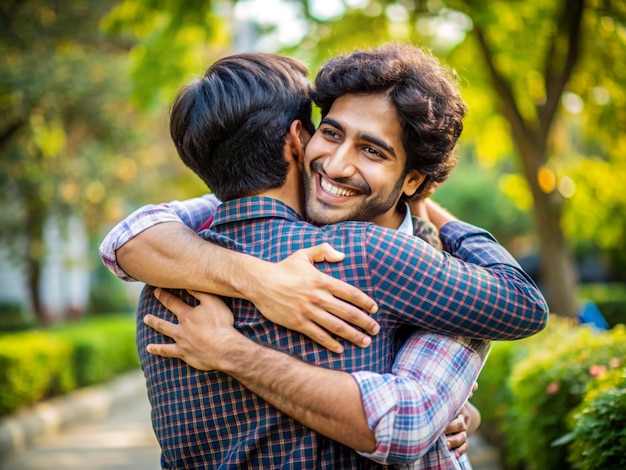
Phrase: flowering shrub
(549, 383)
(599, 422)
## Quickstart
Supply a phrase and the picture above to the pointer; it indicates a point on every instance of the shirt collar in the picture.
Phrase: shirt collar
(407, 223)
(254, 207)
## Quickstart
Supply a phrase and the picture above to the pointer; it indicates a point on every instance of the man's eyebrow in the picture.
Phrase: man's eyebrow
(378, 142)
(369, 138)
(332, 122)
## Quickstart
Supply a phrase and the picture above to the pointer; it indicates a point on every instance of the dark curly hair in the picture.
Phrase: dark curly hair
(424, 92)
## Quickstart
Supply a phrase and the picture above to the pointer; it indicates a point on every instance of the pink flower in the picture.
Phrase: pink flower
(552, 388)
(615, 363)
(597, 370)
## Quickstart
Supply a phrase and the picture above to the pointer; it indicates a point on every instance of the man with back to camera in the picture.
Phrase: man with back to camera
(346, 187)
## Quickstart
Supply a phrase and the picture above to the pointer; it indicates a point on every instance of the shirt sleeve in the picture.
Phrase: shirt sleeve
(476, 289)
(191, 212)
(410, 409)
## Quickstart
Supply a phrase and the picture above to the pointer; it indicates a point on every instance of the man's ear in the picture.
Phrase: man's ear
(412, 182)
(295, 142)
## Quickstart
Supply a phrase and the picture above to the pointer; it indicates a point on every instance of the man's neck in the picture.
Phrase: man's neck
(290, 193)
(288, 199)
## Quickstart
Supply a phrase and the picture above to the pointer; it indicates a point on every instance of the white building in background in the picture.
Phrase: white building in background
(13, 288)
(65, 277)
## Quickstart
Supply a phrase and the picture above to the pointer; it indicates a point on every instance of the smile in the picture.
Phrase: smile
(330, 188)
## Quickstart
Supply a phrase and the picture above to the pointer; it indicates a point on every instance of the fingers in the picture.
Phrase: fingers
(457, 425)
(456, 435)
(161, 326)
(347, 314)
(340, 328)
(458, 443)
(346, 292)
(164, 350)
(205, 297)
(339, 289)
(456, 440)
(323, 252)
(322, 337)
(170, 301)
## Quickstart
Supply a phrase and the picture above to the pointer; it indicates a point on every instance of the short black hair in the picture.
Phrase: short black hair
(229, 126)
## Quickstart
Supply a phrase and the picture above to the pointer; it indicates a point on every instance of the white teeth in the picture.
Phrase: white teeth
(335, 190)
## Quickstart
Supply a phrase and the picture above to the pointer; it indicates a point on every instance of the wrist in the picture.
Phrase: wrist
(238, 355)
(437, 214)
(246, 277)
(227, 273)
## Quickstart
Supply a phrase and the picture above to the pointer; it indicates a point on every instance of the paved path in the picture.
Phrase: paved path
(123, 439)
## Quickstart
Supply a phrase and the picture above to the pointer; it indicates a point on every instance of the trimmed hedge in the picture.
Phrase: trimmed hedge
(35, 365)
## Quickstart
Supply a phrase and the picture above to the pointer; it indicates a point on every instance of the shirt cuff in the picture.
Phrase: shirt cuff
(133, 225)
(379, 400)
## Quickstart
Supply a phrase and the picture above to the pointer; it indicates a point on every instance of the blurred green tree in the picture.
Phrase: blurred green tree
(61, 113)
(84, 92)
(69, 132)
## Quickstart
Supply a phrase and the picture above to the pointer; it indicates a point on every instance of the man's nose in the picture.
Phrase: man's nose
(341, 163)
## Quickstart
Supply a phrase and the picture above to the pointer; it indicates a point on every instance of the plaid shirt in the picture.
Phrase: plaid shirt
(207, 419)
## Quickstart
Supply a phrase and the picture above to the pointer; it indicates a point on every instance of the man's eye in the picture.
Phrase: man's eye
(372, 152)
(331, 133)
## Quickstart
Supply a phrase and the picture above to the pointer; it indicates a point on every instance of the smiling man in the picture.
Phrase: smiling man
(209, 417)
(351, 160)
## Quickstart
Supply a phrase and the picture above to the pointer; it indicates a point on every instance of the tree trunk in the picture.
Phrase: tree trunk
(35, 243)
(559, 273)
(34, 277)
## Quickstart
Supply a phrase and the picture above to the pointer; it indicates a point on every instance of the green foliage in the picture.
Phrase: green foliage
(12, 317)
(493, 395)
(62, 113)
(529, 388)
(599, 432)
(39, 364)
(102, 347)
(472, 192)
(171, 40)
(33, 366)
(71, 141)
(610, 299)
(107, 293)
(595, 214)
(548, 384)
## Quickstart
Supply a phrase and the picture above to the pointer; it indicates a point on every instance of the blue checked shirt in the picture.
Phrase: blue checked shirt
(386, 421)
